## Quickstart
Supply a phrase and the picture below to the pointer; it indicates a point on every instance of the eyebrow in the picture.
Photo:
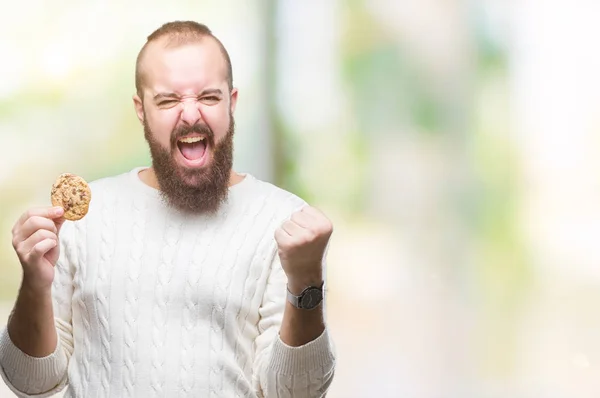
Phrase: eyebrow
(211, 91)
(161, 96)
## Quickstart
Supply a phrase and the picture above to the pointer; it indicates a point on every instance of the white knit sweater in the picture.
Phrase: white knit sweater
(151, 303)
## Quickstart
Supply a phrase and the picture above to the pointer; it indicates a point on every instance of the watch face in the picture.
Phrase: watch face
(311, 298)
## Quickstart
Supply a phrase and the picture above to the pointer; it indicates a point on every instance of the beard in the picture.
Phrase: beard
(193, 191)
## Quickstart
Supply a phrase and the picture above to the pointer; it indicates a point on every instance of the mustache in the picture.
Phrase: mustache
(182, 131)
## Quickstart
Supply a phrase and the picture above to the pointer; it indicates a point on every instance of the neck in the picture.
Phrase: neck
(148, 177)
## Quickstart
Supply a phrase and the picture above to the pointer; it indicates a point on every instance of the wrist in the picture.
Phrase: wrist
(35, 289)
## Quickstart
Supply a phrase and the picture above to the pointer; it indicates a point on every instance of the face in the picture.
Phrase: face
(187, 114)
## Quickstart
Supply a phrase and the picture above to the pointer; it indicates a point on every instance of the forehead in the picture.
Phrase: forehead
(185, 68)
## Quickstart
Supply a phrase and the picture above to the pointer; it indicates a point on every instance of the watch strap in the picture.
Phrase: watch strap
(293, 299)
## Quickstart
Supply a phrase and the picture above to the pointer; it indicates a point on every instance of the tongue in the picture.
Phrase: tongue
(192, 151)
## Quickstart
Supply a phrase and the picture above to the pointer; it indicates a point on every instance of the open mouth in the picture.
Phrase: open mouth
(192, 149)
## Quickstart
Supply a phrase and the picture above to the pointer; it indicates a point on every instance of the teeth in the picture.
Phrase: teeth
(191, 140)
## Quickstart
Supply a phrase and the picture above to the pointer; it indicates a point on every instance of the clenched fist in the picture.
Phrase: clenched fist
(35, 240)
(302, 241)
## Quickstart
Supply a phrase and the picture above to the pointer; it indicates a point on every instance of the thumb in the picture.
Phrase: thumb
(59, 223)
(59, 220)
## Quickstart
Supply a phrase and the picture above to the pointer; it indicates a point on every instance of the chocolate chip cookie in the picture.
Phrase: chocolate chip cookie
(73, 194)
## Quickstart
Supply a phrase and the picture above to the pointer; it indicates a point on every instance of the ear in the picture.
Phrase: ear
(233, 100)
(139, 108)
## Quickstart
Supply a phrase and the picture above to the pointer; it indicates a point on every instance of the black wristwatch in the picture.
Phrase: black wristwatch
(310, 297)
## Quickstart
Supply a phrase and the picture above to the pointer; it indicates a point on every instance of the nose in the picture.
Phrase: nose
(190, 114)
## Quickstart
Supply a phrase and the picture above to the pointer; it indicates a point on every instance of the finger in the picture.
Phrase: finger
(282, 237)
(303, 219)
(314, 216)
(41, 248)
(312, 211)
(46, 212)
(58, 222)
(27, 245)
(318, 219)
(292, 228)
(33, 224)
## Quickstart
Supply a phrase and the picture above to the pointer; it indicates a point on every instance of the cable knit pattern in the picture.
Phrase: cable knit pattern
(83, 305)
(102, 288)
(220, 289)
(132, 294)
(150, 302)
(251, 280)
(160, 312)
(189, 319)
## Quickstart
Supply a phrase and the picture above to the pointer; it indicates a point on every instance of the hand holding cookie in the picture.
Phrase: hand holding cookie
(35, 234)
(35, 240)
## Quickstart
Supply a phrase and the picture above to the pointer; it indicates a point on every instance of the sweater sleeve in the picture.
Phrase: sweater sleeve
(280, 370)
(29, 376)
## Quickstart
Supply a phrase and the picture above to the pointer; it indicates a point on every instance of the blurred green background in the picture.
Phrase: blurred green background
(453, 143)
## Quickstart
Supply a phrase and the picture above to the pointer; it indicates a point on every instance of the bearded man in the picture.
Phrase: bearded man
(186, 278)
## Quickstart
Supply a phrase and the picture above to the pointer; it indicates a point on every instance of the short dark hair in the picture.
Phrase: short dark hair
(180, 33)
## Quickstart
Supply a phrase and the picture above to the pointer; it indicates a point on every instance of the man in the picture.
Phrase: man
(185, 279)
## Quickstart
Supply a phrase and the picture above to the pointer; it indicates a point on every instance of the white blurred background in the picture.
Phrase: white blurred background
(454, 144)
